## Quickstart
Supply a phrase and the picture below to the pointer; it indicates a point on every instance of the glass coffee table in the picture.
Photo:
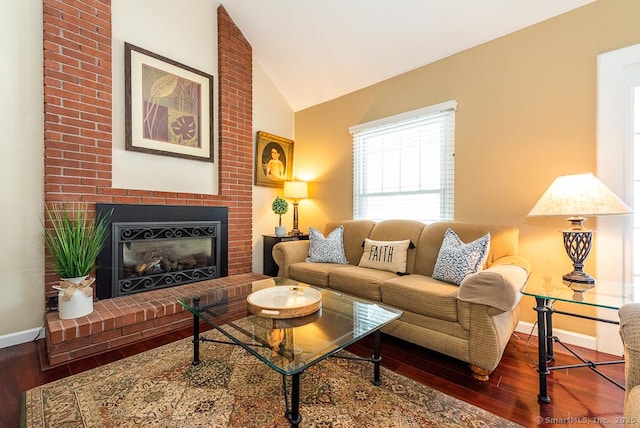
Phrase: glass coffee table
(290, 346)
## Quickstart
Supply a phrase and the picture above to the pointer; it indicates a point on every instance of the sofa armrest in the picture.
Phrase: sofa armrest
(630, 335)
(497, 286)
(287, 253)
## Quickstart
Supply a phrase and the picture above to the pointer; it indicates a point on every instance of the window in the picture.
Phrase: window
(403, 166)
(617, 255)
(618, 165)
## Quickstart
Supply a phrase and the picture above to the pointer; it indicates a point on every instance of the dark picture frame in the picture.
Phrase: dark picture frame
(273, 160)
(168, 107)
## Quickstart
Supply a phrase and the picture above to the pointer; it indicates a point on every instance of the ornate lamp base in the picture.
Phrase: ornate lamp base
(577, 244)
(579, 277)
(295, 231)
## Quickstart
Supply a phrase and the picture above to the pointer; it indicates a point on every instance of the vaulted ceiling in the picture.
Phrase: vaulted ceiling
(318, 50)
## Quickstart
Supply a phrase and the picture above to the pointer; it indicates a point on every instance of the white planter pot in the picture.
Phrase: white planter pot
(78, 306)
(281, 231)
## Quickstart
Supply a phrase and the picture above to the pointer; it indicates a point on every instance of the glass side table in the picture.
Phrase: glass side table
(548, 289)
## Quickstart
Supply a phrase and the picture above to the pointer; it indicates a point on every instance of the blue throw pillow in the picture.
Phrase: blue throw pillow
(326, 250)
(456, 260)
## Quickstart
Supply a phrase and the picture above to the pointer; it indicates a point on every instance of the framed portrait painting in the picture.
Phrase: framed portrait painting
(274, 160)
(168, 107)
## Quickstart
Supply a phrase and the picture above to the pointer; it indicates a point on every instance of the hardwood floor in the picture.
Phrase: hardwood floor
(511, 392)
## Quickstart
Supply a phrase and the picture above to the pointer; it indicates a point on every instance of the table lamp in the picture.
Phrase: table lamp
(576, 196)
(295, 190)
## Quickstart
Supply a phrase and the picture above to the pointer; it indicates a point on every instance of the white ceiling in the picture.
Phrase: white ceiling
(318, 50)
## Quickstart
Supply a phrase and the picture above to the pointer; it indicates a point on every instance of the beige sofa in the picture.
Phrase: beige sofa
(471, 322)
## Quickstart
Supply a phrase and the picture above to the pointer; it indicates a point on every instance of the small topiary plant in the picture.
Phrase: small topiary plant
(280, 206)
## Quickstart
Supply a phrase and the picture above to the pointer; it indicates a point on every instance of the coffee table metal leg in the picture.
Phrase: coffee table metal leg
(293, 415)
(544, 319)
(376, 358)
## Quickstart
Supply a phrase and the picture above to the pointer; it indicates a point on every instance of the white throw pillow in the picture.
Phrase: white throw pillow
(385, 255)
(326, 250)
(456, 260)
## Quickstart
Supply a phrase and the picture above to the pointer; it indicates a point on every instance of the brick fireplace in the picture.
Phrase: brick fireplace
(78, 163)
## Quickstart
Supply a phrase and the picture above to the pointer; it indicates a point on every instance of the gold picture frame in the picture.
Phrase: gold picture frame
(168, 107)
(273, 160)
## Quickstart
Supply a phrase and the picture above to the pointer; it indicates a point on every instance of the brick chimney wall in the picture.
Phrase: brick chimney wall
(78, 134)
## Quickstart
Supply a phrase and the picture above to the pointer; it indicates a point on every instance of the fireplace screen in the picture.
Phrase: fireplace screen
(157, 255)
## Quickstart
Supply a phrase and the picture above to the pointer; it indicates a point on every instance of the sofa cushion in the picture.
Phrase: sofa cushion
(313, 273)
(422, 295)
(396, 230)
(385, 255)
(456, 260)
(359, 281)
(326, 250)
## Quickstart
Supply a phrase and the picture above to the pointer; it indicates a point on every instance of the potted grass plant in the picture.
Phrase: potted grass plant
(280, 207)
(74, 239)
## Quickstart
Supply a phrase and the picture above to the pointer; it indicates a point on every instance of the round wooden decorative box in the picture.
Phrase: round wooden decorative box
(284, 302)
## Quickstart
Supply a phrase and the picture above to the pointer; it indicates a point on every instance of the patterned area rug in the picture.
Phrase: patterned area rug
(230, 388)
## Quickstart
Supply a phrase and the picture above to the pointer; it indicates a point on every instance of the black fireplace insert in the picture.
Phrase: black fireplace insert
(158, 246)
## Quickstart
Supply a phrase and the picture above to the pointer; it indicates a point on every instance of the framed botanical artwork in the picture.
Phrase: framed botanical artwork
(274, 160)
(168, 107)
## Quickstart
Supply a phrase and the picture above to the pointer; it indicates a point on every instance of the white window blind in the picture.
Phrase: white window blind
(403, 166)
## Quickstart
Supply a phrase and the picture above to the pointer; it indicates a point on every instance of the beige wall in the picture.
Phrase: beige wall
(21, 171)
(271, 114)
(132, 23)
(526, 114)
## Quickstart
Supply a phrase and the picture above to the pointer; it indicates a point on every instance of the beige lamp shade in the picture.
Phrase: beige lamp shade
(576, 196)
(296, 189)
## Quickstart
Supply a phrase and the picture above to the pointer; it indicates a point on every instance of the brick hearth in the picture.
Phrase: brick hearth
(123, 320)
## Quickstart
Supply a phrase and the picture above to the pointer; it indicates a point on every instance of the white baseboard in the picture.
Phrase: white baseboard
(19, 337)
(568, 337)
